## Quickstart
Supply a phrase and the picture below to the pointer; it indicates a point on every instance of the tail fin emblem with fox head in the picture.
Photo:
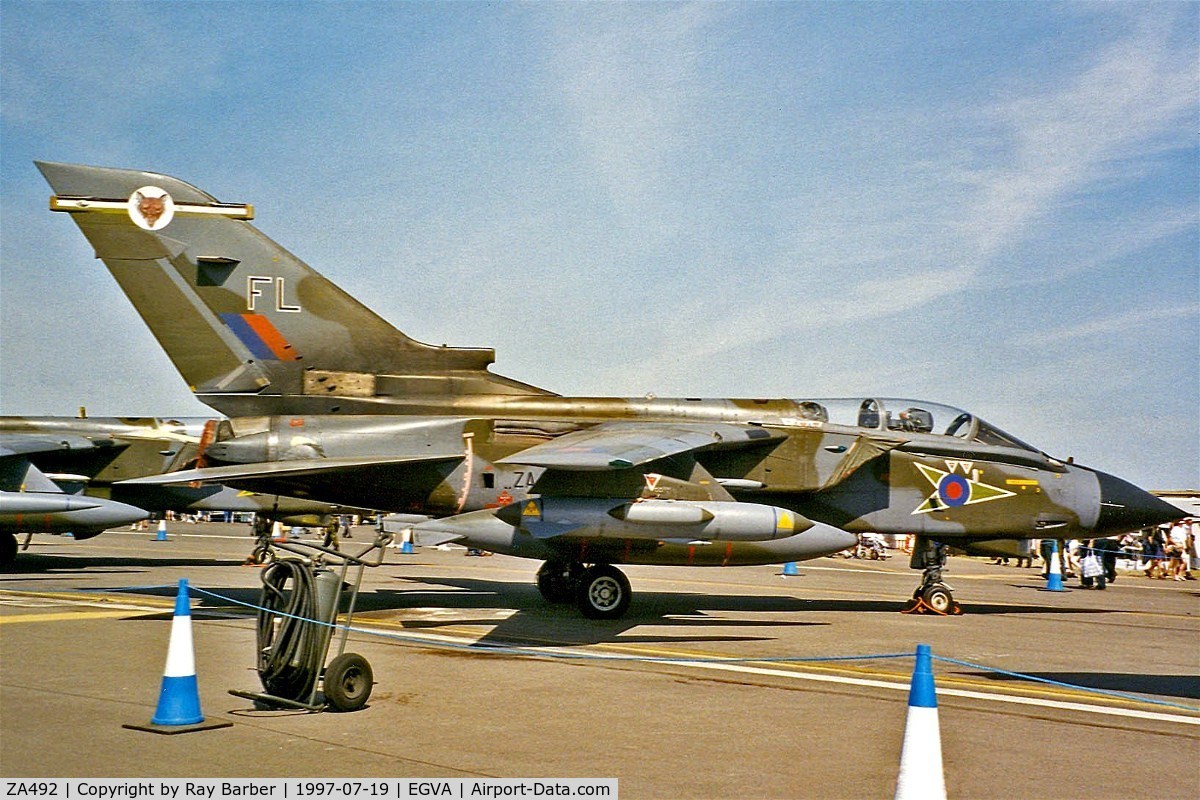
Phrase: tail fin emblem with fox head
(151, 208)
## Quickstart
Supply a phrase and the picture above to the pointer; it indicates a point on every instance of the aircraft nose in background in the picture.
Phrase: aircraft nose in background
(1124, 507)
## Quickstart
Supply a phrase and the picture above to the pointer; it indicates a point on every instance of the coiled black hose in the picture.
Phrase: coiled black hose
(291, 645)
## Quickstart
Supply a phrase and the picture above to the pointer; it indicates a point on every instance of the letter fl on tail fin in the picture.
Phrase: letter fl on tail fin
(250, 327)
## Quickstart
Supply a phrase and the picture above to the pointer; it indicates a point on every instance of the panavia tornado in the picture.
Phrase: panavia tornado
(32, 502)
(327, 400)
(70, 475)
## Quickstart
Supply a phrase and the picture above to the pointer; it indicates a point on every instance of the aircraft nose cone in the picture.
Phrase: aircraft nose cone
(1124, 507)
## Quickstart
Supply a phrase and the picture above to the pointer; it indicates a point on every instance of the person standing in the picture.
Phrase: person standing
(1090, 566)
(1177, 550)
(1193, 549)
(1108, 549)
(1154, 549)
(1046, 550)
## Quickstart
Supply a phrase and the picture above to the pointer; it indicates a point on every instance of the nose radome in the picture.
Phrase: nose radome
(1124, 507)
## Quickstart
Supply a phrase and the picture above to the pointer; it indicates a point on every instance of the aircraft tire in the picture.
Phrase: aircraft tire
(8, 550)
(348, 682)
(603, 592)
(939, 598)
(556, 581)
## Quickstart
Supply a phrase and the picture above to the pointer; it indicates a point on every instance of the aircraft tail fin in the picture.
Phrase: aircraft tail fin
(250, 327)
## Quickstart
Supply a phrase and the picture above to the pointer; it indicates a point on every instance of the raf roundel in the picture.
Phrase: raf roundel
(954, 490)
(151, 208)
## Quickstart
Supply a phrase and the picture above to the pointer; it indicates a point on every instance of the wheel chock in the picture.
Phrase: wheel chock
(918, 606)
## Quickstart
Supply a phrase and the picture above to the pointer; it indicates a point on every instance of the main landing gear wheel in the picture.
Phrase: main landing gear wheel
(602, 592)
(348, 682)
(556, 581)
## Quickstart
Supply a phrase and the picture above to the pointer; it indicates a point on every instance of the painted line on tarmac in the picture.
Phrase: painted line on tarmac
(950, 692)
(805, 673)
(149, 535)
(1025, 692)
(801, 673)
(63, 616)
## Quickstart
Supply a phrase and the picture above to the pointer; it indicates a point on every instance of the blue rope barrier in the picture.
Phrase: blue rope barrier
(1051, 682)
(530, 652)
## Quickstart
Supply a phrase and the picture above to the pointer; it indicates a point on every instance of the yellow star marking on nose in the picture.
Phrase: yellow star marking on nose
(978, 492)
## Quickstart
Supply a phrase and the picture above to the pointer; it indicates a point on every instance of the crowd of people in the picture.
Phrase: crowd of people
(1171, 550)
(1167, 552)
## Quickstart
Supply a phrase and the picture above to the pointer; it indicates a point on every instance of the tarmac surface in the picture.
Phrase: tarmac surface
(697, 693)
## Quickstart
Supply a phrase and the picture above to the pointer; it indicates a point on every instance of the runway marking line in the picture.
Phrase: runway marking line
(1018, 581)
(822, 673)
(65, 616)
(801, 671)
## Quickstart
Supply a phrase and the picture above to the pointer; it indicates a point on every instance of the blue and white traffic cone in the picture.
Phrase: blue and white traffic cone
(1054, 572)
(162, 531)
(179, 700)
(789, 569)
(921, 776)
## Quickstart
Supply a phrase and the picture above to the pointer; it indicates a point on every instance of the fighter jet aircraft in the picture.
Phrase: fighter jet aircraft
(82, 461)
(30, 502)
(327, 400)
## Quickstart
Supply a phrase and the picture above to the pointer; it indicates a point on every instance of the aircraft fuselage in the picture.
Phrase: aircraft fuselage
(889, 477)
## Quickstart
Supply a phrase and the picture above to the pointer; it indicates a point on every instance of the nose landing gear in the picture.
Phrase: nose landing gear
(932, 596)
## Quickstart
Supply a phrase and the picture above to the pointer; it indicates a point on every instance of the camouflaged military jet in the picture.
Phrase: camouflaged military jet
(66, 475)
(31, 502)
(327, 400)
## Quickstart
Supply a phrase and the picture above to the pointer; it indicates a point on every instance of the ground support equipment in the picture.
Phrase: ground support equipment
(297, 614)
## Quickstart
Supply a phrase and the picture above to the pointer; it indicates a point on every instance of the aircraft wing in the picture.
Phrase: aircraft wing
(30, 502)
(625, 445)
(387, 482)
(265, 472)
(864, 450)
(31, 444)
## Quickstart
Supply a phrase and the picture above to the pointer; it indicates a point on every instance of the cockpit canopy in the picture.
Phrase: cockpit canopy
(908, 416)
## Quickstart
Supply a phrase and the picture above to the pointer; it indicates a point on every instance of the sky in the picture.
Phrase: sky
(988, 205)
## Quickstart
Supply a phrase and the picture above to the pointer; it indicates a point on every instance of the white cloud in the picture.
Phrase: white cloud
(1123, 324)
(631, 79)
(1137, 98)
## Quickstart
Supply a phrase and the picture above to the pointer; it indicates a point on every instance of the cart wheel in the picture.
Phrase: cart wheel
(348, 682)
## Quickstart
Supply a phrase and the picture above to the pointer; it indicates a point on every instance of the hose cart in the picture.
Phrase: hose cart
(297, 615)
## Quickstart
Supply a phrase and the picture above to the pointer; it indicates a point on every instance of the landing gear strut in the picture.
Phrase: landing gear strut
(600, 591)
(932, 596)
